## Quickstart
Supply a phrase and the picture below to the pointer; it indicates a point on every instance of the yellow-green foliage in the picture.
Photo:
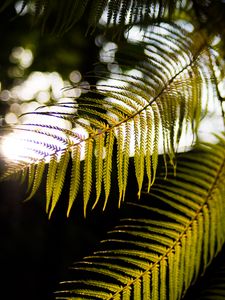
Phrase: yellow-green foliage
(161, 255)
(160, 102)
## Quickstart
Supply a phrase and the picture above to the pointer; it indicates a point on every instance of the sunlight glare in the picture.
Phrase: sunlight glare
(13, 148)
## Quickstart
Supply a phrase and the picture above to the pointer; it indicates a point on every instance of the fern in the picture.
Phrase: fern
(165, 242)
(147, 106)
(67, 13)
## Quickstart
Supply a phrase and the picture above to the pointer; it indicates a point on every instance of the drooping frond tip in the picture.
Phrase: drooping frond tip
(141, 111)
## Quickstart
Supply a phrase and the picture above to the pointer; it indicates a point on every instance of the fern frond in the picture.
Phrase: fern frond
(31, 174)
(125, 12)
(120, 143)
(75, 176)
(108, 165)
(87, 173)
(146, 107)
(99, 165)
(59, 180)
(37, 178)
(52, 167)
(159, 250)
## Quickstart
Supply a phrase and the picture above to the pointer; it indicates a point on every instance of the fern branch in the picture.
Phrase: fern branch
(139, 249)
(132, 108)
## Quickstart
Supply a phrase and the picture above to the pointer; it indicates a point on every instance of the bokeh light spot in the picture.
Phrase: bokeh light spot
(11, 118)
(75, 76)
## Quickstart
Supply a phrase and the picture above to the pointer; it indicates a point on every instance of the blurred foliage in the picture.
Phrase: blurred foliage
(51, 52)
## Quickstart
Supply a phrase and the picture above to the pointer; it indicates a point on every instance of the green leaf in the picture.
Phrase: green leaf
(142, 109)
(184, 245)
(87, 173)
(36, 178)
(59, 180)
(75, 176)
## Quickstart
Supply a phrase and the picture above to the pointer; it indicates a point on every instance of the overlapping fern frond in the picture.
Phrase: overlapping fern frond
(67, 13)
(159, 99)
(165, 242)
